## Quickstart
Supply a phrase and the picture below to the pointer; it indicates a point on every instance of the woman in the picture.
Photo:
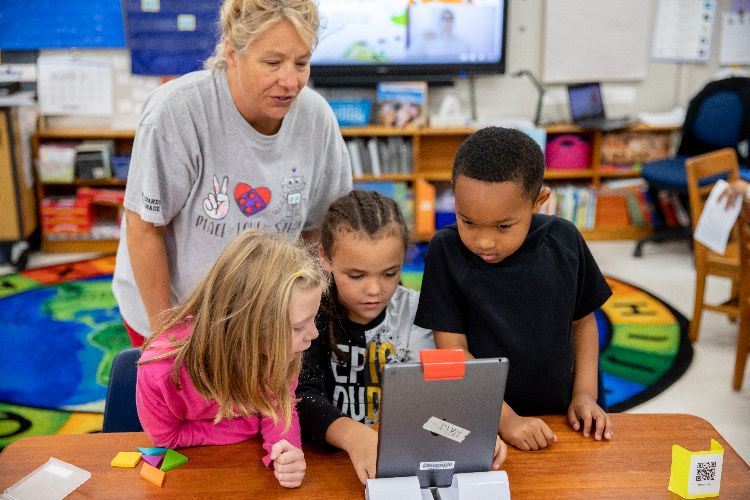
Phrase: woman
(242, 144)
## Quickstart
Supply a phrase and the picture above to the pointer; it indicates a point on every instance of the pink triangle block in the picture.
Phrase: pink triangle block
(153, 460)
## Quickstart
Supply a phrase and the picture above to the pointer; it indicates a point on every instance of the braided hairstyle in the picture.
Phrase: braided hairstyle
(364, 212)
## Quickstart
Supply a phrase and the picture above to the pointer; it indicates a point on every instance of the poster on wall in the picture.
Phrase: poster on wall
(609, 43)
(56, 24)
(170, 37)
(74, 86)
(683, 30)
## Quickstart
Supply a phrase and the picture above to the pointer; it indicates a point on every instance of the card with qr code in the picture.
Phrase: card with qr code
(696, 474)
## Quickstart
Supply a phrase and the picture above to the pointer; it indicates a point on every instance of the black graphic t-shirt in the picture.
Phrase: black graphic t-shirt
(332, 386)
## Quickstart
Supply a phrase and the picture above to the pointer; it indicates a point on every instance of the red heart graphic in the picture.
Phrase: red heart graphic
(251, 200)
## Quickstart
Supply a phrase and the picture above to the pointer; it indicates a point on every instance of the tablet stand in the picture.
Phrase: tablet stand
(442, 364)
(491, 485)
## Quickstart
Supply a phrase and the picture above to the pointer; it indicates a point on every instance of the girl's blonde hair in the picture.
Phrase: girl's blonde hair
(239, 353)
(244, 21)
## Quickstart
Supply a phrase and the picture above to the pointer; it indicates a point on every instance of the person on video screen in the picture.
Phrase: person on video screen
(442, 42)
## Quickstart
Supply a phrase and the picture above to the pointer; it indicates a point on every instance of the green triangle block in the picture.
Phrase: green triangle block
(173, 460)
(153, 451)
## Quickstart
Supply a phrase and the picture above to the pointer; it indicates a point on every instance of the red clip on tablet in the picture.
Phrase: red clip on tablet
(443, 364)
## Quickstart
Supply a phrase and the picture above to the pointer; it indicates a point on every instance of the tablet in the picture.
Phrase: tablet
(437, 428)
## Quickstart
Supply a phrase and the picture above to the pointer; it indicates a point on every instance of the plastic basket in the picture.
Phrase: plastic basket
(352, 112)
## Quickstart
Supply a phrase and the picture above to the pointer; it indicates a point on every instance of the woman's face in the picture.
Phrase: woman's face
(267, 76)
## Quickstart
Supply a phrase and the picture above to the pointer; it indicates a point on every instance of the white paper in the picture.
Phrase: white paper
(683, 29)
(446, 429)
(705, 474)
(74, 86)
(735, 39)
(716, 220)
(17, 72)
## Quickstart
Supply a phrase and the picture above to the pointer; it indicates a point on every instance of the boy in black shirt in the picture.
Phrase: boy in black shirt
(506, 281)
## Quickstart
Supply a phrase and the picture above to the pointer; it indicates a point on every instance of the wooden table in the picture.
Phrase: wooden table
(634, 465)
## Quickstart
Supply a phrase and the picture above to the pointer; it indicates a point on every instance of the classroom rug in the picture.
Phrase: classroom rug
(61, 329)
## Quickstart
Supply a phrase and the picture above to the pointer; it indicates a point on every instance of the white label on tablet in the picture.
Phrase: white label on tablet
(446, 429)
(446, 464)
(57, 470)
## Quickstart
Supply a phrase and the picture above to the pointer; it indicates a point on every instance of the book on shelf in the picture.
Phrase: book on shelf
(372, 150)
(667, 209)
(378, 156)
(424, 207)
(401, 104)
(398, 191)
(355, 158)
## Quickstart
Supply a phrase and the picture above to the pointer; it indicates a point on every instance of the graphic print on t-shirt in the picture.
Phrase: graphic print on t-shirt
(216, 204)
(251, 200)
(357, 379)
(293, 188)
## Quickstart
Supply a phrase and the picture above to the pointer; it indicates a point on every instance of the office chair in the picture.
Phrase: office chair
(120, 413)
(702, 173)
(717, 117)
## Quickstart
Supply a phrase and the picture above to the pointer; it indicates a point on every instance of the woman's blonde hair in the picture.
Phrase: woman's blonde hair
(244, 21)
(239, 353)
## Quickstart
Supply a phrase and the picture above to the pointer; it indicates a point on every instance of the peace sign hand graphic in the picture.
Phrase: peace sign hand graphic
(216, 205)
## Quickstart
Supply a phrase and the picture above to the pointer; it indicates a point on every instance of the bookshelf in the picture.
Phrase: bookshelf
(432, 149)
(75, 243)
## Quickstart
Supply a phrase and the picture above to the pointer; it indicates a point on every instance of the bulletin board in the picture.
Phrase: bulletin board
(60, 24)
(596, 40)
(170, 37)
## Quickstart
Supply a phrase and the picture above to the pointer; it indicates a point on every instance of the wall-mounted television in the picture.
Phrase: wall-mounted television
(363, 41)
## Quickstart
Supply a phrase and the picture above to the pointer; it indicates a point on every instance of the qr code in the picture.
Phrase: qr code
(706, 471)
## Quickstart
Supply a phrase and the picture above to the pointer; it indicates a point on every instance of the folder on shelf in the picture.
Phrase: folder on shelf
(424, 207)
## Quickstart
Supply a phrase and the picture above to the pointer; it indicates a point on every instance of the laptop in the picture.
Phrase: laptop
(463, 413)
(587, 108)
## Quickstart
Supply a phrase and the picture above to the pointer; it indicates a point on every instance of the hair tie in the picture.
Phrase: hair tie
(297, 274)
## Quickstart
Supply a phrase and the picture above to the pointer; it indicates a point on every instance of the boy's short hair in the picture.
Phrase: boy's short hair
(496, 154)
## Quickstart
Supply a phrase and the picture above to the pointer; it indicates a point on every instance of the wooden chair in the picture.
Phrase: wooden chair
(702, 173)
(743, 336)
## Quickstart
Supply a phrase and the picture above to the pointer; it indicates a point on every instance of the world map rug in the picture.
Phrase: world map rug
(61, 329)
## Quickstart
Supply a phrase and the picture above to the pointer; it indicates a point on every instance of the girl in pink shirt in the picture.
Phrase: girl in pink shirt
(225, 366)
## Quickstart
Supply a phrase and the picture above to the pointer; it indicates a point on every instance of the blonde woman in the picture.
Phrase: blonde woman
(241, 145)
(226, 365)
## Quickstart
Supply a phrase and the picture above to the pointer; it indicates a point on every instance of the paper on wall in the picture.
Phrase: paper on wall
(74, 86)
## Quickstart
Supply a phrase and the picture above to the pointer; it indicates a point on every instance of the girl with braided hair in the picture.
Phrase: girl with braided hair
(365, 321)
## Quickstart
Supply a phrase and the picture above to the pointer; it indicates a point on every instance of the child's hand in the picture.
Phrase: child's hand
(526, 433)
(734, 191)
(288, 464)
(501, 450)
(584, 407)
(363, 452)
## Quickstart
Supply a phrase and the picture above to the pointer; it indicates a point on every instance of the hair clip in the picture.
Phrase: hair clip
(297, 274)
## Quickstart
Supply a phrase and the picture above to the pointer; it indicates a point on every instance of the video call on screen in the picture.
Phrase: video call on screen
(403, 32)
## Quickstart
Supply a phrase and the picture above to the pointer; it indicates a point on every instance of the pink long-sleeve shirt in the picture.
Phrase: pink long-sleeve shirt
(174, 417)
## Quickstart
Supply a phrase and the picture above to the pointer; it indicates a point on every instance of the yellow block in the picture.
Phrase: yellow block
(126, 459)
(696, 474)
(152, 474)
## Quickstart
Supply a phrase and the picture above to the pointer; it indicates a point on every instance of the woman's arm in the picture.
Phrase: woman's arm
(148, 258)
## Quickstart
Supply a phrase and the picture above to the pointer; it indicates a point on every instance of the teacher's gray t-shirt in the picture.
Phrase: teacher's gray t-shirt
(200, 169)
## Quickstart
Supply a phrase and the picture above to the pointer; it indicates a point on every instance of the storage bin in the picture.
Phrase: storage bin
(352, 112)
(120, 166)
(567, 151)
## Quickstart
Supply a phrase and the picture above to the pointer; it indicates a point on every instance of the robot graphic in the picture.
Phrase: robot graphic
(293, 188)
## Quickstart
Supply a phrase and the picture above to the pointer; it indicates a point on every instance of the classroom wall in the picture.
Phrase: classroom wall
(666, 84)
(503, 97)
(498, 98)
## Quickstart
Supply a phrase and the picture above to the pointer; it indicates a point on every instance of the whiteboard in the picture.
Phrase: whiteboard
(596, 40)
